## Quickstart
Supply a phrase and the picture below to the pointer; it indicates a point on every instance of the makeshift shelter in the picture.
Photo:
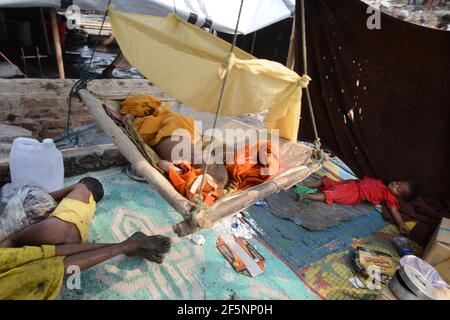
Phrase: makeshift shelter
(381, 99)
(213, 14)
(195, 67)
(190, 64)
(297, 166)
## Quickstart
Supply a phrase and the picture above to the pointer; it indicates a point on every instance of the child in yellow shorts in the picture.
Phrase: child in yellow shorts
(70, 221)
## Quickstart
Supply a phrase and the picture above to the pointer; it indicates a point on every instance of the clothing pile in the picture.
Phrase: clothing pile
(23, 206)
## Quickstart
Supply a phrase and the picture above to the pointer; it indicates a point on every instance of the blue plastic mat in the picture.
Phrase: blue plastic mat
(299, 246)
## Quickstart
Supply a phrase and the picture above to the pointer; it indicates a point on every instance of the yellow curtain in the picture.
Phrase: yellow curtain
(189, 65)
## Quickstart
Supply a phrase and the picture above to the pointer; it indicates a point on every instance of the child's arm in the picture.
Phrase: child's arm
(60, 194)
(398, 219)
(165, 165)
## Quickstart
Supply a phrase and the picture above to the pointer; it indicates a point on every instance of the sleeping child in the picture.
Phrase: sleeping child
(352, 192)
(174, 138)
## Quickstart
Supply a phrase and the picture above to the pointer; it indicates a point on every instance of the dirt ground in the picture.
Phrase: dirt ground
(426, 13)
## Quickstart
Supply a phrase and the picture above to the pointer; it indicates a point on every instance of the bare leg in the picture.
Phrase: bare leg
(87, 255)
(87, 259)
(314, 197)
(313, 184)
(156, 243)
(166, 150)
(71, 249)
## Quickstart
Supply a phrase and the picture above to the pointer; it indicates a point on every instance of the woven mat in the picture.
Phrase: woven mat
(330, 277)
(189, 272)
(314, 215)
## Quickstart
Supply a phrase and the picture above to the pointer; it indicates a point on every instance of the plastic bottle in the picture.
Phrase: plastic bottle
(37, 164)
(403, 247)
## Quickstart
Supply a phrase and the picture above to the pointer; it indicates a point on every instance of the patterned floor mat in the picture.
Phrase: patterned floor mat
(331, 277)
(323, 259)
(299, 246)
(189, 272)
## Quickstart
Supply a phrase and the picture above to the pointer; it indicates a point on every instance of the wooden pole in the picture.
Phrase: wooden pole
(57, 44)
(291, 52)
(9, 61)
(253, 43)
(132, 154)
(44, 28)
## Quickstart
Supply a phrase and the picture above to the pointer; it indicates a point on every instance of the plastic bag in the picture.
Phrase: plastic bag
(23, 206)
(426, 269)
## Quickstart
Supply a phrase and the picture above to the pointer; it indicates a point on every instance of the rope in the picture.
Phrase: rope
(218, 109)
(82, 82)
(318, 152)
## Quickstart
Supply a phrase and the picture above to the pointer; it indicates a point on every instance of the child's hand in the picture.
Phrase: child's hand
(404, 230)
(165, 165)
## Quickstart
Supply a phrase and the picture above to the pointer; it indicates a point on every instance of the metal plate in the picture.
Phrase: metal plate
(417, 283)
(399, 290)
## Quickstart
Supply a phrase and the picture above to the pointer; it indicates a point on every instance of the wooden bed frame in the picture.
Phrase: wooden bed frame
(297, 167)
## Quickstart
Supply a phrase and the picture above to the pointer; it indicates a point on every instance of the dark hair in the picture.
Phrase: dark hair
(413, 190)
(444, 21)
(94, 186)
(219, 173)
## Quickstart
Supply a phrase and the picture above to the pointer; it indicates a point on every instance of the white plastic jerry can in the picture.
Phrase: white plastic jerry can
(38, 164)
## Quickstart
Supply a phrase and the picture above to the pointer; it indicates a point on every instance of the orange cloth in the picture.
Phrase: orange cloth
(254, 164)
(248, 167)
(156, 121)
(140, 105)
(188, 182)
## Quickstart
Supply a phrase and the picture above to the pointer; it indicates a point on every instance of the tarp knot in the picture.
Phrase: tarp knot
(229, 62)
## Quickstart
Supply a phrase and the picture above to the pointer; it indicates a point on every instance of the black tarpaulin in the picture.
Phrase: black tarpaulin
(381, 97)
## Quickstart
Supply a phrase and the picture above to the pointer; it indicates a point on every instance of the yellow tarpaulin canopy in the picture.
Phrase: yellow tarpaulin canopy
(189, 64)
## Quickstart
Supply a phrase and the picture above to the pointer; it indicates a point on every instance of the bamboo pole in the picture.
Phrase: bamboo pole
(253, 43)
(232, 204)
(130, 151)
(44, 28)
(9, 61)
(202, 217)
(57, 44)
(290, 62)
(229, 206)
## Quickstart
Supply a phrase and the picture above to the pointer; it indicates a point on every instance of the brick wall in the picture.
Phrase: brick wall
(40, 105)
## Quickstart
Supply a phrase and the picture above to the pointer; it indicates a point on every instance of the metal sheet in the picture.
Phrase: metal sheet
(417, 283)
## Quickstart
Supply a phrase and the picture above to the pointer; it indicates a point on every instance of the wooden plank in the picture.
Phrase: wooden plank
(57, 44)
(130, 151)
(206, 218)
(203, 217)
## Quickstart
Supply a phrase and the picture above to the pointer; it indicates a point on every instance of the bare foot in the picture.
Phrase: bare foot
(152, 248)
(156, 243)
(136, 238)
(150, 255)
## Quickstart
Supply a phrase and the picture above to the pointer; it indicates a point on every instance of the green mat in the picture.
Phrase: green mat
(189, 272)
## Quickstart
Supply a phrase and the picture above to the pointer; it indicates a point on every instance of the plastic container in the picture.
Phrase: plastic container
(36, 164)
(403, 247)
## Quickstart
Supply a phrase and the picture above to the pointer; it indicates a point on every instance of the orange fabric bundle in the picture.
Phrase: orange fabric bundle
(156, 121)
(188, 183)
(140, 105)
(254, 164)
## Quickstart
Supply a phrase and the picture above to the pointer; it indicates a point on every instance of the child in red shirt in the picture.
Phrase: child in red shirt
(368, 189)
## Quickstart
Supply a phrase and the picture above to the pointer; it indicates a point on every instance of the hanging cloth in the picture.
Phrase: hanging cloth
(189, 64)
